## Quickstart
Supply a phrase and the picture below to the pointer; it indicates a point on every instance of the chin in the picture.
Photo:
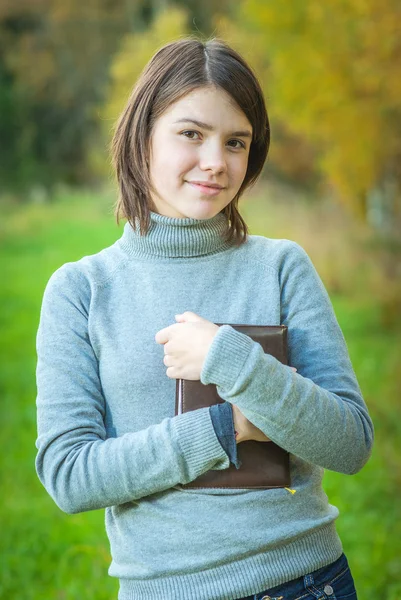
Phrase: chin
(190, 209)
(204, 213)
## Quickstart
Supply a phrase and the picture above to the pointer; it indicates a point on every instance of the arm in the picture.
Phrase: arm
(317, 413)
(78, 466)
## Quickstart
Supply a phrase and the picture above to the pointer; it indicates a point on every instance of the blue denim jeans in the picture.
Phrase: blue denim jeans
(334, 582)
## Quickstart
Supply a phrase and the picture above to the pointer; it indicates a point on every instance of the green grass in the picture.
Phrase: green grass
(48, 555)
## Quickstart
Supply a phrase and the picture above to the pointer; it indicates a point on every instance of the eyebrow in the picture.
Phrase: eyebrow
(245, 133)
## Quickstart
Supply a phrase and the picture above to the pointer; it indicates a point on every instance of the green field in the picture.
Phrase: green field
(48, 555)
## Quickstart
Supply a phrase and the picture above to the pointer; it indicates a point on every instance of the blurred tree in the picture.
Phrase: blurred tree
(54, 59)
(331, 73)
(136, 50)
(292, 158)
(54, 68)
(201, 13)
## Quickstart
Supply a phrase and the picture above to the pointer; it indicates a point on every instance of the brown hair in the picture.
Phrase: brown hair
(176, 69)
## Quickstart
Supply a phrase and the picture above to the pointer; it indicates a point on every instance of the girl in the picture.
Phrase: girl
(119, 327)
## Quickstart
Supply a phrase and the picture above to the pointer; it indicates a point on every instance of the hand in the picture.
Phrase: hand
(245, 430)
(186, 344)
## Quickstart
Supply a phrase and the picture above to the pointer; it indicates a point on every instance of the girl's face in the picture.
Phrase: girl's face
(202, 138)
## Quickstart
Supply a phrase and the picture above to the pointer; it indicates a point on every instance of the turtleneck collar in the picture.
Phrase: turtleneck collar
(172, 237)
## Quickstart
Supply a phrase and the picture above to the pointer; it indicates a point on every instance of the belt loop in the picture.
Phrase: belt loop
(308, 580)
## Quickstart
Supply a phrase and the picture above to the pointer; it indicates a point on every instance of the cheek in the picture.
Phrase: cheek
(183, 158)
(239, 169)
(173, 162)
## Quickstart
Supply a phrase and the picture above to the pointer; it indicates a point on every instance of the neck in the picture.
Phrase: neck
(172, 237)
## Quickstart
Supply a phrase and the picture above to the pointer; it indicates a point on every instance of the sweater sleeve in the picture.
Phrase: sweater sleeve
(223, 423)
(317, 413)
(78, 465)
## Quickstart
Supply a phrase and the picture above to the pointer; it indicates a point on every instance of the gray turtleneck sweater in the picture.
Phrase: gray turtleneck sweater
(108, 437)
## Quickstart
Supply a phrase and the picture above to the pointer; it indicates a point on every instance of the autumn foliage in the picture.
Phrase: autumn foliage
(330, 72)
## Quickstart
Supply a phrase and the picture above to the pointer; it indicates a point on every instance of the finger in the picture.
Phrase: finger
(160, 337)
(190, 316)
(163, 335)
(293, 368)
(172, 373)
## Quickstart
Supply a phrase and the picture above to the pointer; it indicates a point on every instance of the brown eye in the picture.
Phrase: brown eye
(241, 144)
(190, 132)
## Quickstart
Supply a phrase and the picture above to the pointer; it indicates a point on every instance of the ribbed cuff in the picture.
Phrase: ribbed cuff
(199, 443)
(226, 357)
(223, 422)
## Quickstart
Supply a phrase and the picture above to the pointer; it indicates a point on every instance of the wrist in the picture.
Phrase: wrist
(239, 438)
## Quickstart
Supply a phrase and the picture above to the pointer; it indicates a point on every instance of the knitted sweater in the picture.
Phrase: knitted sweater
(108, 437)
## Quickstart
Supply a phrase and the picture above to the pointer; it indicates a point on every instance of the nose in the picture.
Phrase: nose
(213, 158)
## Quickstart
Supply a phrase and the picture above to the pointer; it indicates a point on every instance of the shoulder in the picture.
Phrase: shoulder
(88, 273)
(277, 253)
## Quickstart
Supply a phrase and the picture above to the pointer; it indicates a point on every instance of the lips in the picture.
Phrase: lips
(206, 189)
(207, 184)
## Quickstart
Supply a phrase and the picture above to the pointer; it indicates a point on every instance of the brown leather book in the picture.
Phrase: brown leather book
(264, 464)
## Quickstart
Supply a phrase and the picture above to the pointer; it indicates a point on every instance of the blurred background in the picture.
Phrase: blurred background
(332, 182)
